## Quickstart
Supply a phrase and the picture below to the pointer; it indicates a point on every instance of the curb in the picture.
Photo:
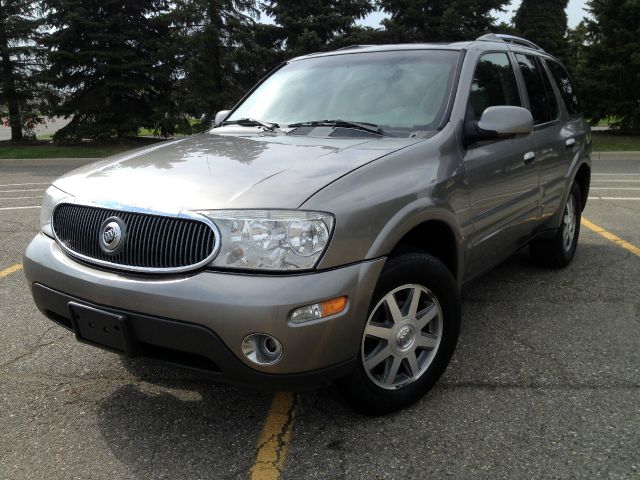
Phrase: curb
(615, 155)
(46, 162)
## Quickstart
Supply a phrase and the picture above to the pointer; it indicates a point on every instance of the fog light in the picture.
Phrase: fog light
(319, 310)
(262, 349)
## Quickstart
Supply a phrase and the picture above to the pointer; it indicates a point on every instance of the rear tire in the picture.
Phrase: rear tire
(405, 350)
(559, 250)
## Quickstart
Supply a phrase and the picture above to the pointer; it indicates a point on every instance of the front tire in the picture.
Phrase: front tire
(411, 332)
(559, 250)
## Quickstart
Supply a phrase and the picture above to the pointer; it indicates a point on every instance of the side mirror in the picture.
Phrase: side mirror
(220, 116)
(498, 123)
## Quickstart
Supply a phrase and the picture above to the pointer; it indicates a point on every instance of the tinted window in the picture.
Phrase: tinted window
(551, 94)
(404, 90)
(494, 84)
(565, 85)
(541, 97)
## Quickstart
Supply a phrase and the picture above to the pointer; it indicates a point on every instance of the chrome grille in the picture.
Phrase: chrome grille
(153, 243)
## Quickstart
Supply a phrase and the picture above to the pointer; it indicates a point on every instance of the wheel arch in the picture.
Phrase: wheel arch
(435, 231)
(583, 179)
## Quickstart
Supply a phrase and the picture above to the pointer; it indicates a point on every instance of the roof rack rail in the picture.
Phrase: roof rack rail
(349, 47)
(500, 37)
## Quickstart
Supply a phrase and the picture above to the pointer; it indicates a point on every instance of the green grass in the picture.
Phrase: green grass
(148, 132)
(613, 142)
(605, 122)
(43, 149)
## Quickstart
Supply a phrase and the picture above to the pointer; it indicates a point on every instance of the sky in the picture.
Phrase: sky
(575, 12)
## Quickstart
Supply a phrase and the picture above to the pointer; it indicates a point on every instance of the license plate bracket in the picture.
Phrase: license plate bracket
(101, 328)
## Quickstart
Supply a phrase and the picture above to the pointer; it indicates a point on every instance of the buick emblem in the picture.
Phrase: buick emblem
(405, 337)
(112, 235)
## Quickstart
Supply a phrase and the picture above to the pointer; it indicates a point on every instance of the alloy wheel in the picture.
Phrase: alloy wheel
(402, 336)
(569, 223)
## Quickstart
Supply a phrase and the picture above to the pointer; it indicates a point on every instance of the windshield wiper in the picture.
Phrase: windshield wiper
(365, 126)
(252, 122)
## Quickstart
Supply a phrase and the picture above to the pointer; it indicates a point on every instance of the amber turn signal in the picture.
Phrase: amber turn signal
(331, 307)
(319, 310)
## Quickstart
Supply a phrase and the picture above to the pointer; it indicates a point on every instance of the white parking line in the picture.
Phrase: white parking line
(19, 198)
(23, 184)
(617, 174)
(18, 191)
(606, 180)
(19, 208)
(615, 188)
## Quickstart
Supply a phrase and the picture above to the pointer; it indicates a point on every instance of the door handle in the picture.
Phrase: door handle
(529, 157)
(570, 143)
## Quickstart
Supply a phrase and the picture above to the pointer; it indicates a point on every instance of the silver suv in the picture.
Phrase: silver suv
(323, 228)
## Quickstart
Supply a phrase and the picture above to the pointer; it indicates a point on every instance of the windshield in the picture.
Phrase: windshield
(403, 91)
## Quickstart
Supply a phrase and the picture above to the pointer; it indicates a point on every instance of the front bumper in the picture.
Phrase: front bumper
(208, 314)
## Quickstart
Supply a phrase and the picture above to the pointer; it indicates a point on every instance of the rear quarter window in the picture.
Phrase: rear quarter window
(565, 86)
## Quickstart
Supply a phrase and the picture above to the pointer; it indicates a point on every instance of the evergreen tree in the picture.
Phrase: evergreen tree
(575, 55)
(104, 57)
(224, 53)
(544, 22)
(506, 28)
(311, 26)
(20, 64)
(612, 62)
(439, 20)
(360, 35)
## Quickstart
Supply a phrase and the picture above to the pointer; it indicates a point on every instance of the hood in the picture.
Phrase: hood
(213, 171)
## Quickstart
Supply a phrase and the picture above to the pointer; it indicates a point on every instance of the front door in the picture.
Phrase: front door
(502, 176)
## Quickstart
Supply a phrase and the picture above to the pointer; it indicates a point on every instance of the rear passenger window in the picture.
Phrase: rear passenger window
(565, 85)
(544, 107)
(494, 84)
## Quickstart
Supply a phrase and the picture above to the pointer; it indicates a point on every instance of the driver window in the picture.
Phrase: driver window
(494, 84)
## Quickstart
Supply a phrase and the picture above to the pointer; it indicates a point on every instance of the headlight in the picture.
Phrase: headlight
(270, 239)
(52, 197)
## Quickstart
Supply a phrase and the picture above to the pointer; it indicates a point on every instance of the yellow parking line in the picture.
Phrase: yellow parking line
(10, 270)
(275, 438)
(611, 237)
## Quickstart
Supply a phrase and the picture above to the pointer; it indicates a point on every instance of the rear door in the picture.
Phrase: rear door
(501, 175)
(553, 144)
(571, 135)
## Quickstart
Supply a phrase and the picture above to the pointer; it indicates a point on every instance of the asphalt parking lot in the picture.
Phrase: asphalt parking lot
(545, 382)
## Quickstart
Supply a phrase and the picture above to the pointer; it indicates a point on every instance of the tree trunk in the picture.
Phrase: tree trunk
(9, 84)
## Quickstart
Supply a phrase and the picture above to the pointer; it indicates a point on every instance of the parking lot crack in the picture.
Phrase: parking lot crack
(32, 350)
